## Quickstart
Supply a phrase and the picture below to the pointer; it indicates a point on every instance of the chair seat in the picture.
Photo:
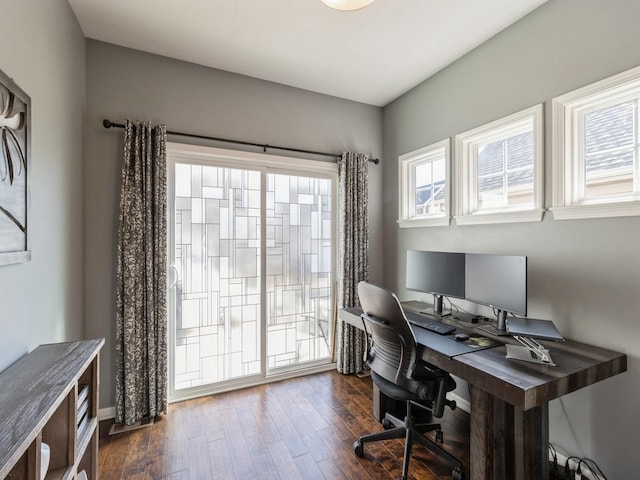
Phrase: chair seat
(392, 390)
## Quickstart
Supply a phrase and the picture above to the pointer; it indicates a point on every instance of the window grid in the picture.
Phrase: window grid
(596, 148)
(424, 198)
(508, 177)
(500, 170)
(616, 171)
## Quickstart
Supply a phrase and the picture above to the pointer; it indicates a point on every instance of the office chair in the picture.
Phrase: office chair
(398, 372)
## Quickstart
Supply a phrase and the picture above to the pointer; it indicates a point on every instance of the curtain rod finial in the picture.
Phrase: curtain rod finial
(106, 123)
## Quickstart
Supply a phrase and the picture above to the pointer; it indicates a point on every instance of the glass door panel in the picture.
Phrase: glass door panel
(217, 257)
(299, 260)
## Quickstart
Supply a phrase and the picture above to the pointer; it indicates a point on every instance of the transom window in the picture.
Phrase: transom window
(500, 170)
(597, 149)
(424, 186)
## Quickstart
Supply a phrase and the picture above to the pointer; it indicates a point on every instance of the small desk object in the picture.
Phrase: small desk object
(509, 398)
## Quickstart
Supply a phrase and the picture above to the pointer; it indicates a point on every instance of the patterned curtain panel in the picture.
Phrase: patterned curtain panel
(354, 254)
(141, 297)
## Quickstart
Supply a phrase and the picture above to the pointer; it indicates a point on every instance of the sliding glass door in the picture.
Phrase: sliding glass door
(299, 273)
(252, 255)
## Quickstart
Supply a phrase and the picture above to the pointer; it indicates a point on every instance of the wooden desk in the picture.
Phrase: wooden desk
(510, 398)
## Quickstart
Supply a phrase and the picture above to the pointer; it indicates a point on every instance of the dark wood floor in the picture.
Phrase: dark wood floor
(295, 429)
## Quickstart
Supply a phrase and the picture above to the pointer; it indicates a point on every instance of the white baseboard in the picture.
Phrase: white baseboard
(106, 413)
(464, 405)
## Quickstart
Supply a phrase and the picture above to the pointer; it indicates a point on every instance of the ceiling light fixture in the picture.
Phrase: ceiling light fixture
(347, 5)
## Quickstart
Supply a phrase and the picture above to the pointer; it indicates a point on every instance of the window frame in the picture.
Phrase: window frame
(266, 164)
(568, 200)
(466, 168)
(407, 187)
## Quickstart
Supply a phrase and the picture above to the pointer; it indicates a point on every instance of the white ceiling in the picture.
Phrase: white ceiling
(372, 55)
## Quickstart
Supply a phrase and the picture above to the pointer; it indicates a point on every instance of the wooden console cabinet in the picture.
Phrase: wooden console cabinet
(51, 395)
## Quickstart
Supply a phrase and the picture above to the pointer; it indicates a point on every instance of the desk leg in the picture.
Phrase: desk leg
(482, 435)
(506, 442)
(532, 442)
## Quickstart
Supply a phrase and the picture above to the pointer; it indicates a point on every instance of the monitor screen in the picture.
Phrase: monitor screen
(498, 281)
(439, 273)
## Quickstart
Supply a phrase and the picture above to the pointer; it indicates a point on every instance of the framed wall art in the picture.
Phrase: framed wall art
(15, 164)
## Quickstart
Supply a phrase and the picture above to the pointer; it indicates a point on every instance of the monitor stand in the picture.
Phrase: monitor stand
(437, 309)
(500, 329)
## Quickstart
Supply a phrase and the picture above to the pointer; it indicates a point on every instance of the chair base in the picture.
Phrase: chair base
(412, 433)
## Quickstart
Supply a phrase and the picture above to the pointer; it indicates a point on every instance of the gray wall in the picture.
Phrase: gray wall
(123, 83)
(583, 274)
(42, 300)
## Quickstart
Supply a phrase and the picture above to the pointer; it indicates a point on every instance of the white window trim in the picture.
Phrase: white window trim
(406, 191)
(466, 169)
(566, 110)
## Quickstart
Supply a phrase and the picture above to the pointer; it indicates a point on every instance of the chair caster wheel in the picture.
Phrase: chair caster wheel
(386, 424)
(358, 448)
(439, 436)
(457, 474)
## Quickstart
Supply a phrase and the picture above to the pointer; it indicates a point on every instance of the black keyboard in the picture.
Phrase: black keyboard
(433, 325)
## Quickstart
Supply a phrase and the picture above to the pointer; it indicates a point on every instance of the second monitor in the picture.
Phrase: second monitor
(439, 273)
(500, 282)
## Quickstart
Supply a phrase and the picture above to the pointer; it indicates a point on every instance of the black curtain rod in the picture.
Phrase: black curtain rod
(109, 124)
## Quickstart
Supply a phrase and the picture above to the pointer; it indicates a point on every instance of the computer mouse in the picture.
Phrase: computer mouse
(461, 337)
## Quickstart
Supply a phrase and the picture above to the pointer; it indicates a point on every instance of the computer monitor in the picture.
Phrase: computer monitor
(438, 273)
(498, 281)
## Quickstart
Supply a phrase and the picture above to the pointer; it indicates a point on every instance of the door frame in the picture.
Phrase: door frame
(265, 163)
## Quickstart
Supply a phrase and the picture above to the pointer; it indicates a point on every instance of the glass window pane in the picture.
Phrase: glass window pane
(423, 198)
(509, 160)
(491, 158)
(439, 171)
(520, 151)
(520, 180)
(520, 188)
(423, 174)
(609, 174)
(491, 192)
(493, 184)
(430, 193)
(608, 128)
(608, 162)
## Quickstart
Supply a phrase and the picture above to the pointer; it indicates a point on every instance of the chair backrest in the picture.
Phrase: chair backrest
(394, 352)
